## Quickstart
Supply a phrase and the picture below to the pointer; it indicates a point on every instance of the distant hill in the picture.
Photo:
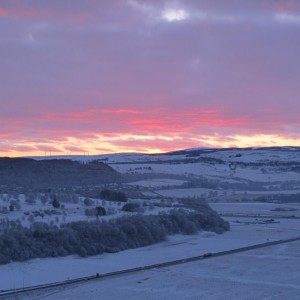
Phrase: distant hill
(54, 172)
(199, 151)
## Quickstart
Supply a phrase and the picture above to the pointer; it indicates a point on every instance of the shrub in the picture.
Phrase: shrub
(88, 202)
(113, 196)
(131, 207)
(55, 203)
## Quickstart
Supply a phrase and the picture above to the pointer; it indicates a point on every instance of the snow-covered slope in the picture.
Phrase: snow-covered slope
(268, 273)
(228, 174)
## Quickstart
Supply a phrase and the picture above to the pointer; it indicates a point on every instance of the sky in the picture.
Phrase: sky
(94, 77)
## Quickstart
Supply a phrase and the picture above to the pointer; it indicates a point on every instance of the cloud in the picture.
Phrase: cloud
(288, 18)
(3, 12)
(174, 15)
(31, 10)
(24, 148)
(47, 148)
(149, 10)
(113, 74)
(281, 5)
(75, 149)
(173, 12)
(6, 135)
(123, 111)
(151, 131)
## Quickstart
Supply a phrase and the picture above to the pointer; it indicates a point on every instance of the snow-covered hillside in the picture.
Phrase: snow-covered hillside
(219, 174)
(256, 190)
(271, 272)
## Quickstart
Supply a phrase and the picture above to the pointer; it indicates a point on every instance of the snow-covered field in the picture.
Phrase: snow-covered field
(70, 212)
(157, 182)
(268, 273)
(286, 154)
(226, 178)
(270, 209)
(262, 171)
(244, 233)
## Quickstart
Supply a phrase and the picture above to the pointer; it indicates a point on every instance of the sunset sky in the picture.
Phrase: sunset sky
(103, 76)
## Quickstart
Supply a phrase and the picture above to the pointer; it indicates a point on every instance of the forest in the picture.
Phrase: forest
(83, 238)
(30, 173)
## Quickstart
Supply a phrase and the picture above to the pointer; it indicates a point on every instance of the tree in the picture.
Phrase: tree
(89, 212)
(131, 207)
(29, 199)
(55, 203)
(113, 196)
(11, 207)
(43, 199)
(100, 211)
(88, 202)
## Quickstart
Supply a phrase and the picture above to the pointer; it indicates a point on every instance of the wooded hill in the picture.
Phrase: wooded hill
(54, 172)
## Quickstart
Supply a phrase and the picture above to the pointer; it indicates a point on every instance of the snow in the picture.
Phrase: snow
(258, 208)
(210, 170)
(181, 193)
(158, 182)
(204, 192)
(286, 154)
(247, 232)
(71, 212)
(267, 273)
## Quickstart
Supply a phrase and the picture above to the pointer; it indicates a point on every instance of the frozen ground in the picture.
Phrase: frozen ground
(157, 182)
(232, 174)
(247, 231)
(269, 209)
(268, 273)
(71, 212)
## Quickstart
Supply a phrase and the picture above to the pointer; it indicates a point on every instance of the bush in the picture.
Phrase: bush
(100, 211)
(88, 202)
(55, 203)
(131, 207)
(113, 196)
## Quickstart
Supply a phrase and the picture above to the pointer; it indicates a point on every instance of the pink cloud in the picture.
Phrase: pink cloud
(87, 124)
(85, 115)
(40, 14)
(24, 148)
(46, 148)
(3, 12)
(123, 111)
(282, 5)
(6, 135)
(4, 150)
(75, 149)
(121, 73)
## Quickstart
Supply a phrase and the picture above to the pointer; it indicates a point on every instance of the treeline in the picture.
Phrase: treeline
(281, 198)
(91, 238)
(38, 174)
(113, 196)
(203, 182)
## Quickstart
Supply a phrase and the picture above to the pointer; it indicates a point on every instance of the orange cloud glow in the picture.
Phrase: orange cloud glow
(148, 131)
(96, 76)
